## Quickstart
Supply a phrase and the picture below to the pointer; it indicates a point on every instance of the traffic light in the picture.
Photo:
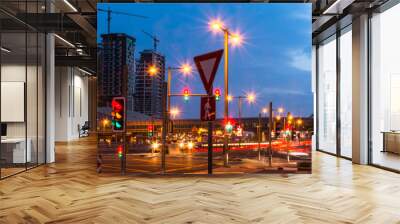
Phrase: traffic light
(229, 126)
(118, 114)
(217, 93)
(150, 131)
(186, 93)
(120, 150)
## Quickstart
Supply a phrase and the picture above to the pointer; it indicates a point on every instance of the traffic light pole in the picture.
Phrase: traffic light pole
(259, 136)
(123, 161)
(270, 134)
(165, 115)
(169, 96)
(210, 147)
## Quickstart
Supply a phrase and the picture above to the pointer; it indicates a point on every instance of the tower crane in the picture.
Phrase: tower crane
(155, 40)
(108, 11)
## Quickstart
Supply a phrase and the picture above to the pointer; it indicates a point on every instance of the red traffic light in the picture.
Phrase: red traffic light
(217, 92)
(186, 93)
(116, 105)
(120, 151)
(118, 114)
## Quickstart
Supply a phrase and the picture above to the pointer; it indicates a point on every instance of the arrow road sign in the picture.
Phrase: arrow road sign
(207, 65)
(207, 108)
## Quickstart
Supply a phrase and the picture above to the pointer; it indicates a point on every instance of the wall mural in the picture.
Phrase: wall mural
(156, 58)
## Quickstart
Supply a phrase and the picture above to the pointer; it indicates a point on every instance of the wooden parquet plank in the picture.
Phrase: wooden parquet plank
(70, 191)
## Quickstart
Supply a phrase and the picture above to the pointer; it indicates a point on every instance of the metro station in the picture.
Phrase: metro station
(97, 125)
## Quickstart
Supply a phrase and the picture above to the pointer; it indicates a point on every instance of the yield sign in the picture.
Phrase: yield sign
(207, 65)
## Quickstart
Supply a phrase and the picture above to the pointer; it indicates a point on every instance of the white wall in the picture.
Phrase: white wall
(71, 102)
(33, 126)
(12, 73)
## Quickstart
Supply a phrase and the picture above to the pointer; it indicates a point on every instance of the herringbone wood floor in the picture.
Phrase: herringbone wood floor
(70, 191)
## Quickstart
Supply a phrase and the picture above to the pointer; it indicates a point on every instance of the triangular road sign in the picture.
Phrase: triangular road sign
(207, 65)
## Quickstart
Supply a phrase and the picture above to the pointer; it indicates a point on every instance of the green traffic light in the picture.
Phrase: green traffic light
(117, 124)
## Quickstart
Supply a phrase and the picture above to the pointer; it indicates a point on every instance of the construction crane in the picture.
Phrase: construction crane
(155, 40)
(108, 11)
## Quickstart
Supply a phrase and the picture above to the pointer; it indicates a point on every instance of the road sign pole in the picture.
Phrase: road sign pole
(210, 147)
(207, 69)
(210, 139)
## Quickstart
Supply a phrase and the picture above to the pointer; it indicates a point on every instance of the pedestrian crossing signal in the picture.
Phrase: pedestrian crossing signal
(118, 114)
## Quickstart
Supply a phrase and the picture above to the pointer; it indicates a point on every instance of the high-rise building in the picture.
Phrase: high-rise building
(117, 75)
(149, 87)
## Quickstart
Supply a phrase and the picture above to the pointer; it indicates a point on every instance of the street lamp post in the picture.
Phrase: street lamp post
(185, 69)
(271, 126)
(217, 25)
(270, 134)
(226, 91)
(250, 98)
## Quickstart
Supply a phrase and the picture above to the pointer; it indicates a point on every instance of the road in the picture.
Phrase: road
(243, 159)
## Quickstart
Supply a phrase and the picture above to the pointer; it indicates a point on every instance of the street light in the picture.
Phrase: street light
(105, 123)
(237, 39)
(217, 25)
(230, 98)
(299, 121)
(265, 110)
(185, 69)
(175, 112)
(251, 97)
(152, 70)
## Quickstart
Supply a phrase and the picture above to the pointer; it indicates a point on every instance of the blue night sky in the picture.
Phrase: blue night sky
(274, 62)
